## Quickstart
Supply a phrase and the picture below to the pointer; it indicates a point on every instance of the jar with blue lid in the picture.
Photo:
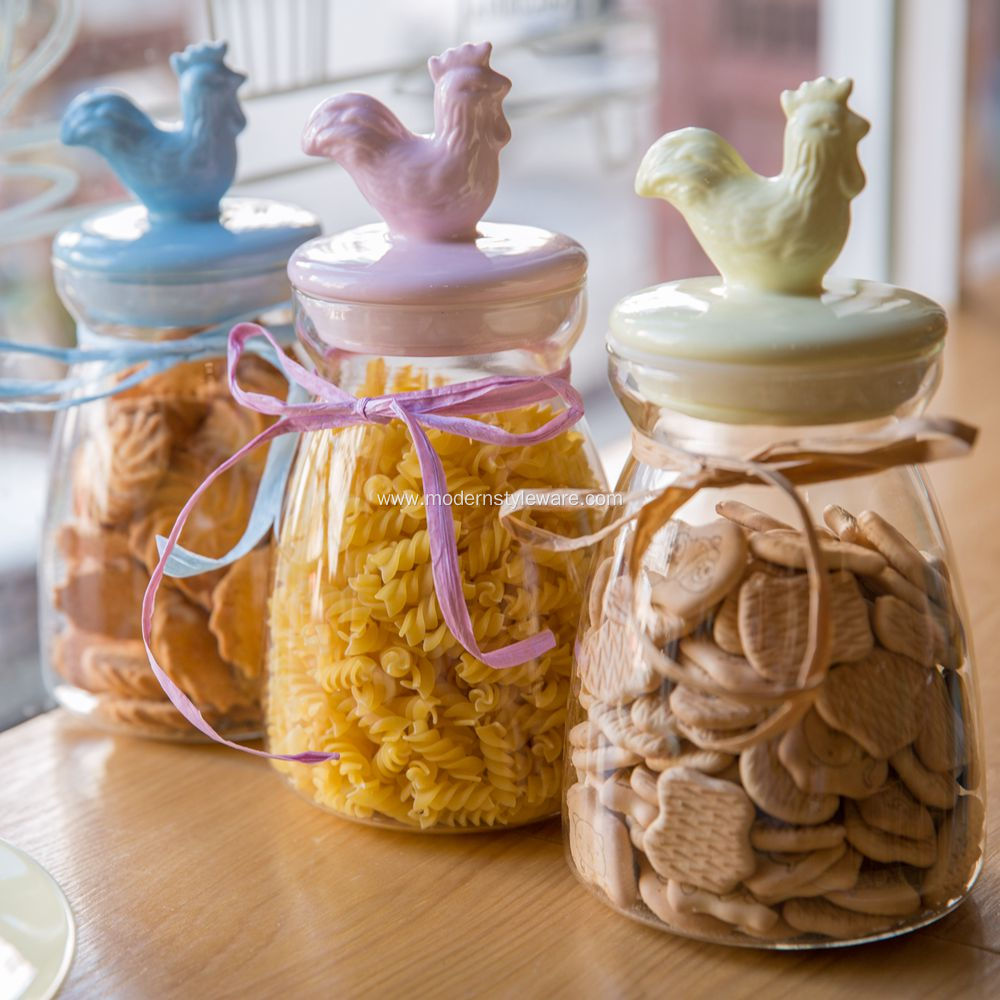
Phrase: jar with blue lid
(154, 286)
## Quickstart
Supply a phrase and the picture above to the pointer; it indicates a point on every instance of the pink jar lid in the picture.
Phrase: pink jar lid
(434, 279)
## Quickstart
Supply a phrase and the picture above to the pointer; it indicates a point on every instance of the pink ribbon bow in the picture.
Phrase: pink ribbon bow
(447, 408)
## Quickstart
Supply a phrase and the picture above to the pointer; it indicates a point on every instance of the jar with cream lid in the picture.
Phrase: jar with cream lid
(409, 634)
(154, 286)
(774, 738)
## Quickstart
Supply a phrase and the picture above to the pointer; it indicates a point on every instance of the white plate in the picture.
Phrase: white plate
(37, 932)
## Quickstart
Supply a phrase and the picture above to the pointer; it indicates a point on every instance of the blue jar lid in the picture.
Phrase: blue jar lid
(184, 255)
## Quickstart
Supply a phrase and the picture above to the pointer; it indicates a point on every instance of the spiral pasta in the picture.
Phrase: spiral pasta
(361, 660)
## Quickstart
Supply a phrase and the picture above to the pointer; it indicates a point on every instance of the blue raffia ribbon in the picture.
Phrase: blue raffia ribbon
(116, 356)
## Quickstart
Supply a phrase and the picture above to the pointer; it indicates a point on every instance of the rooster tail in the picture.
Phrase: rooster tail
(351, 126)
(100, 118)
(683, 166)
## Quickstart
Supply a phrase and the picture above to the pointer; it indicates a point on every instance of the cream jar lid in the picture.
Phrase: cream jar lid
(768, 340)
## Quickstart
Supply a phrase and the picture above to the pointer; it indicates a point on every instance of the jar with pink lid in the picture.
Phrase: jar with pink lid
(409, 634)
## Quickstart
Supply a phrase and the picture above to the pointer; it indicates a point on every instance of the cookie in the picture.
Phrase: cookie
(600, 846)
(731, 673)
(78, 543)
(726, 625)
(903, 629)
(827, 744)
(651, 714)
(930, 787)
(842, 874)
(619, 796)
(820, 916)
(738, 908)
(709, 761)
(789, 549)
(878, 701)
(701, 834)
(161, 719)
(859, 776)
(708, 711)
(187, 651)
(772, 788)
(940, 745)
(959, 848)
(603, 759)
(586, 735)
(749, 517)
(893, 810)
(615, 721)
(239, 612)
(612, 665)
(899, 552)
(879, 891)
(705, 561)
(886, 847)
(717, 740)
(844, 525)
(104, 598)
(891, 581)
(774, 623)
(644, 783)
(653, 890)
(779, 878)
(769, 835)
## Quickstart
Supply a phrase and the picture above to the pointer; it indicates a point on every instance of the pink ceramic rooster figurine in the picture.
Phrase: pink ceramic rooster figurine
(427, 187)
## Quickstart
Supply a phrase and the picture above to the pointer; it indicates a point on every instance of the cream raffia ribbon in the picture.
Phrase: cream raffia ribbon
(786, 465)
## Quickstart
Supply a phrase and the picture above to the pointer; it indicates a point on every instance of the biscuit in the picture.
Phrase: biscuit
(586, 735)
(749, 517)
(820, 916)
(161, 719)
(612, 664)
(644, 783)
(654, 890)
(827, 744)
(726, 626)
(789, 549)
(901, 554)
(878, 701)
(602, 759)
(78, 543)
(930, 787)
(772, 788)
(619, 796)
(104, 598)
(101, 665)
(708, 711)
(738, 908)
(895, 811)
(770, 835)
(709, 761)
(701, 834)
(940, 745)
(731, 673)
(705, 561)
(600, 846)
(239, 612)
(860, 776)
(776, 879)
(844, 525)
(959, 848)
(879, 891)
(774, 623)
(718, 740)
(615, 721)
(651, 713)
(842, 874)
(903, 629)
(886, 847)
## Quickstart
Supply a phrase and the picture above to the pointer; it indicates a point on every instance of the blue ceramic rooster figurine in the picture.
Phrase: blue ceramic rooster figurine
(177, 172)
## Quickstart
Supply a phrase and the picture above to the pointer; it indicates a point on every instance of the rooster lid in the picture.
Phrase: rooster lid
(432, 253)
(126, 264)
(769, 339)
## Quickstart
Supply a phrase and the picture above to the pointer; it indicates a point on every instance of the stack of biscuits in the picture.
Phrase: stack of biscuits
(713, 792)
(138, 457)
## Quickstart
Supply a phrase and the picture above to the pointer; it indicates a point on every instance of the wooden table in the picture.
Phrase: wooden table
(193, 873)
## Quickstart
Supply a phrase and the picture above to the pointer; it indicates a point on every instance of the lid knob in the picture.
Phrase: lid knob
(774, 234)
(427, 187)
(178, 172)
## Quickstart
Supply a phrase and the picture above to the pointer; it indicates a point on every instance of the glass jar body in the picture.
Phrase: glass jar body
(360, 659)
(707, 793)
(122, 468)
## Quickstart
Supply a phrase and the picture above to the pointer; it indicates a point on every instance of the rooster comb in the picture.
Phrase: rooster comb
(202, 54)
(823, 89)
(471, 55)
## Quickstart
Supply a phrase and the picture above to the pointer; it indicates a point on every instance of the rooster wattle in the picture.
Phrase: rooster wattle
(780, 233)
(429, 187)
(181, 170)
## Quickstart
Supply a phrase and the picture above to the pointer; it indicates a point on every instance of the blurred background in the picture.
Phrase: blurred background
(595, 81)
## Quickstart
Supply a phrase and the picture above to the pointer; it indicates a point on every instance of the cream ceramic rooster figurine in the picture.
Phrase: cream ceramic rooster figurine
(777, 234)
(427, 187)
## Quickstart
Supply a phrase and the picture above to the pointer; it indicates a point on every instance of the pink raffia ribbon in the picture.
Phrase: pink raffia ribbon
(447, 408)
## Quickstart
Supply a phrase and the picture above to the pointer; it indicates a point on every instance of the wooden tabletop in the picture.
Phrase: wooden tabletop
(194, 873)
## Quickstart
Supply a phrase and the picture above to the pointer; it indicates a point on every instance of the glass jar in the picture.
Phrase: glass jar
(760, 753)
(361, 660)
(178, 267)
